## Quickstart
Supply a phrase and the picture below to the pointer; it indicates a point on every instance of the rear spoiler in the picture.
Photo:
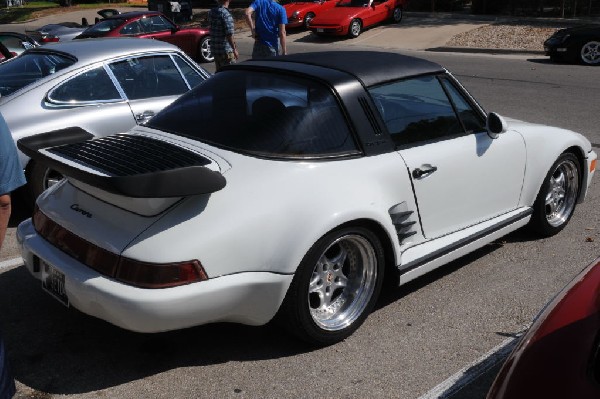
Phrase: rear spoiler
(129, 165)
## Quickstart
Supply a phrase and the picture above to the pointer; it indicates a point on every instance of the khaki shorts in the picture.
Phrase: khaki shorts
(224, 59)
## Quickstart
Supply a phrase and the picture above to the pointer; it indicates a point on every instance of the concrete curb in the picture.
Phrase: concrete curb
(451, 49)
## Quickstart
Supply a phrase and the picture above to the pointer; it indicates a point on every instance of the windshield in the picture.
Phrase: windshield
(265, 114)
(28, 68)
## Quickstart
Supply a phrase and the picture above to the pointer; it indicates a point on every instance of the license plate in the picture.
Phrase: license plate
(320, 30)
(53, 282)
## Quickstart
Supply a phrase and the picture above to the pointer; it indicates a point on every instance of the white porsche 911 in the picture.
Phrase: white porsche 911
(291, 187)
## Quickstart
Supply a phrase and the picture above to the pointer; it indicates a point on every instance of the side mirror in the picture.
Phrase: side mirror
(495, 125)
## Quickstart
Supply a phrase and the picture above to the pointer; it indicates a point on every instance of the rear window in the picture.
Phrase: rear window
(29, 68)
(263, 114)
(102, 27)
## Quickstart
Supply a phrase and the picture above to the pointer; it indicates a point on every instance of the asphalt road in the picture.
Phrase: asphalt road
(419, 336)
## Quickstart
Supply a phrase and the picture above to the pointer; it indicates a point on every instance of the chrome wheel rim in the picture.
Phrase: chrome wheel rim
(562, 193)
(307, 19)
(397, 14)
(590, 53)
(205, 50)
(355, 28)
(51, 177)
(342, 282)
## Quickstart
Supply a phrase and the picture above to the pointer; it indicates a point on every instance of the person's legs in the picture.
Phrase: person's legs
(4, 215)
(261, 50)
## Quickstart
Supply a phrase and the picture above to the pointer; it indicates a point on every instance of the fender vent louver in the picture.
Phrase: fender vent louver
(370, 116)
(127, 155)
(401, 218)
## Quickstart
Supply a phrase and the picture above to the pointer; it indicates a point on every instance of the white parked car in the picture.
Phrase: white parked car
(292, 187)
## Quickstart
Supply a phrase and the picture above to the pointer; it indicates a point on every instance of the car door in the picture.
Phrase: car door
(379, 12)
(461, 176)
(150, 83)
(159, 28)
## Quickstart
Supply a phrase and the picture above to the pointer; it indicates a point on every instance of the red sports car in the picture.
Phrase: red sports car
(559, 356)
(350, 17)
(300, 13)
(153, 25)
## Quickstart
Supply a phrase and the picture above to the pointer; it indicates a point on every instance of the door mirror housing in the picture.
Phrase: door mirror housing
(495, 125)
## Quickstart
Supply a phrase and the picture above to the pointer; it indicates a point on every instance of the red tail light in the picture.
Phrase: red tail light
(129, 271)
(50, 39)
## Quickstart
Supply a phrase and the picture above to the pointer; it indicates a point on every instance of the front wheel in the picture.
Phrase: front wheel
(307, 18)
(335, 286)
(397, 15)
(204, 52)
(590, 53)
(355, 28)
(558, 195)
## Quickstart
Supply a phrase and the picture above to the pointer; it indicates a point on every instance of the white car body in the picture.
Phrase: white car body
(251, 235)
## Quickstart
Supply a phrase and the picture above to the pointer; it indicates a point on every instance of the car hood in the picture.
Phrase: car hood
(584, 29)
(302, 6)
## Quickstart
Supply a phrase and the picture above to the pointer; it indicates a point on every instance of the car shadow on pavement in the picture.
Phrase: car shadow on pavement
(62, 351)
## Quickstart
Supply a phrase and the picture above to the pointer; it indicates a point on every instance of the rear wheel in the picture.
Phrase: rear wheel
(590, 53)
(355, 28)
(397, 15)
(557, 198)
(335, 286)
(204, 52)
(41, 178)
(307, 18)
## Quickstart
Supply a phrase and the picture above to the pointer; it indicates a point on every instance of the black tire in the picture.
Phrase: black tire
(557, 198)
(307, 18)
(39, 178)
(355, 28)
(589, 53)
(204, 52)
(397, 15)
(335, 286)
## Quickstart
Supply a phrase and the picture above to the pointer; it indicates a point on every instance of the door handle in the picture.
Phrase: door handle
(424, 170)
(144, 117)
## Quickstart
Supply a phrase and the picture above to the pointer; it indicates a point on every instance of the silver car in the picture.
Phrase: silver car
(86, 88)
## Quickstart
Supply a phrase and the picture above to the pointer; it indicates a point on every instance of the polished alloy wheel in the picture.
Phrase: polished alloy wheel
(561, 195)
(205, 52)
(342, 282)
(355, 28)
(590, 53)
(397, 14)
(307, 19)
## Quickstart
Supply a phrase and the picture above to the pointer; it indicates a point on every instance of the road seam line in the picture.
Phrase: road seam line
(11, 263)
(471, 372)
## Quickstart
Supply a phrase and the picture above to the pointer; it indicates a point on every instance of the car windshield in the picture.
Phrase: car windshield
(102, 27)
(29, 68)
(263, 114)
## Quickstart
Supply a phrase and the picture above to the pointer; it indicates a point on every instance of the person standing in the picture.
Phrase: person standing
(11, 177)
(268, 30)
(222, 45)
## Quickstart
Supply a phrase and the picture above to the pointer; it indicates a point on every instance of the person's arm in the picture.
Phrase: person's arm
(282, 39)
(249, 21)
(4, 215)
(233, 46)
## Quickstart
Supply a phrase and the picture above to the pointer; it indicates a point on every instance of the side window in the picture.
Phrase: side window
(416, 110)
(155, 24)
(147, 77)
(193, 77)
(132, 28)
(470, 118)
(89, 87)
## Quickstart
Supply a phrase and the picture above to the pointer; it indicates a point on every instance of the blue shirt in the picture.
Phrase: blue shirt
(268, 16)
(11, 171)
(221, 26)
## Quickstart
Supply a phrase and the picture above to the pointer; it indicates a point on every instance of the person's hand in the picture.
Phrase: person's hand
(235, 54)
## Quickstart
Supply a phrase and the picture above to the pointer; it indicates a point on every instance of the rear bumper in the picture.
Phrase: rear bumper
(250, 298)
(338, 30)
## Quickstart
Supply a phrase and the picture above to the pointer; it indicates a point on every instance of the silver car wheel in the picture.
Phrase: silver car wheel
(205, 51)
(307, 19)
(342, 282)
(590, 53)
(355, 28)
(561, 195)
(397, 16)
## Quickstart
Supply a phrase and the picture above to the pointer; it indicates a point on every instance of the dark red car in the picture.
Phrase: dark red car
(559, 356)
(351, 17)
(153, 25)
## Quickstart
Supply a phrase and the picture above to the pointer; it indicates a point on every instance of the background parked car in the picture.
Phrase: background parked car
(579, 44)
(300, 13)
(102, 86)
(16, 42)
(351, 17)
(154, 25)
(52, 33)
(559, 356)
